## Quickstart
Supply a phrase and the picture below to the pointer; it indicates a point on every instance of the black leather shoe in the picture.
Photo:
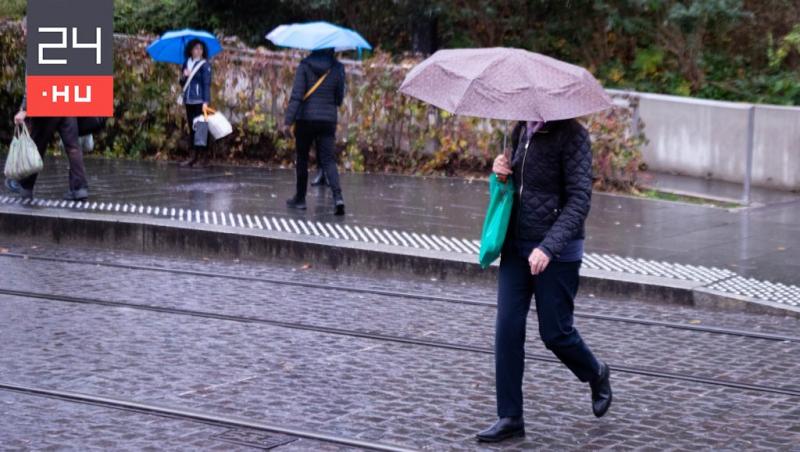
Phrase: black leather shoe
(504, 428)
(319, 180)
(601, 391)
(295, 204)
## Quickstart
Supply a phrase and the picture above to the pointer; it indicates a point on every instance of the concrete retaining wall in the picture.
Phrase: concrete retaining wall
(704, 138)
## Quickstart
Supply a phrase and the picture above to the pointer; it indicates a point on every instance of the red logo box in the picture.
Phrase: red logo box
(70, 95)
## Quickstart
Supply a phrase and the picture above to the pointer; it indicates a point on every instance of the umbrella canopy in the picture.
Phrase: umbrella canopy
(317, 35)
(507, 84)
(171, 47)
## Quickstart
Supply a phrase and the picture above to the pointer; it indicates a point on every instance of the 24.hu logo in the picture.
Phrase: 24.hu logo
(70, 58)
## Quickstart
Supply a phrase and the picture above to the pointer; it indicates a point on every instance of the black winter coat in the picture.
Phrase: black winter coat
(323, 105)
(553, 181)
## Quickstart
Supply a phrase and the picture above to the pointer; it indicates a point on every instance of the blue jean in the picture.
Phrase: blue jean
(554, 291)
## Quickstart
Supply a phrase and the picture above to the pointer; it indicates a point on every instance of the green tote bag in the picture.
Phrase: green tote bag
(498, 214)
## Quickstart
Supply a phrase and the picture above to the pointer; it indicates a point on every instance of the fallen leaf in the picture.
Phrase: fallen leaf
(781, 248)
(306, 267)
(694, 322)
(3, 250)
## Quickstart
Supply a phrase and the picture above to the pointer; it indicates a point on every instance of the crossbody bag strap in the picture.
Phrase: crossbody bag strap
(316, 85)
(195, 69)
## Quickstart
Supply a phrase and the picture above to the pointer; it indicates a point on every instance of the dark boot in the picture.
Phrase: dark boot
(601, 391)
(191, 161)
(319, 180)
(504, 428)
(339, 203)
(294, 203)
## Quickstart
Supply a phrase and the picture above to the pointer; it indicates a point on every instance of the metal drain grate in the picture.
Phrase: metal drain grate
(255, 439)
(715, 278)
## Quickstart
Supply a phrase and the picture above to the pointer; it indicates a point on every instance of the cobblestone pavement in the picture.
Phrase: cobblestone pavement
(415, 395)
(36, 423)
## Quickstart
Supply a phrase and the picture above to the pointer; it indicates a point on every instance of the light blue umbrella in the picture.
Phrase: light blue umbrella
(317, 35)
(171, 47)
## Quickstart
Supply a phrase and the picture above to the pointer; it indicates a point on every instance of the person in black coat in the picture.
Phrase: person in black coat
(42, 131)
(551, 169)
(317, 94)
(197, 95)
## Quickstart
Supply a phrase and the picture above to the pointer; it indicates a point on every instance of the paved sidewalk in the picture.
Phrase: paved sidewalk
(729, 192)
(760, 243)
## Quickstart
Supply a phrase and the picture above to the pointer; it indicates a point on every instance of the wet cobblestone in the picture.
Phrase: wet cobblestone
(421, 397)
(702, 354)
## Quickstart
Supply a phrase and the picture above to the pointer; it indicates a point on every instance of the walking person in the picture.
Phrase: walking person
(196, 84)
(317, 94)
(42, 131)
(551, 169)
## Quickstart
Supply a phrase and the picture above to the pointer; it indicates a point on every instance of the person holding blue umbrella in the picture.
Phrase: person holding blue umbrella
(195, 82)
(317, 94)
(192, 49)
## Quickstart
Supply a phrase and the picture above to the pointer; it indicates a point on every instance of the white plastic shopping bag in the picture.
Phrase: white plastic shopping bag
(218, 124)
(23, 158)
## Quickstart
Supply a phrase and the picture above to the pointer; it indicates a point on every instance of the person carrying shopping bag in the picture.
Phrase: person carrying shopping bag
(41, 131)
(196, 84)
(547, 177)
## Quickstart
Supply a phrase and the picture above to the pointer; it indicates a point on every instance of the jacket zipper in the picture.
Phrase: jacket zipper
(522, 173)
(522, 186)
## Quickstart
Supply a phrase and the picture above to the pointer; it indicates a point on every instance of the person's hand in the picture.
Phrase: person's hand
(186, 72)
(538, 261)
(502, 167)
(19, 118)
(286, 131)
(205, 108)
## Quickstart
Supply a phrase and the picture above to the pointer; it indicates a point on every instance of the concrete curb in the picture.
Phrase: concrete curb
(164, 236)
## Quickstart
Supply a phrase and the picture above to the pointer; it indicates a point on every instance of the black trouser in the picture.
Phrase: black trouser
(554, 291)
(323, 135)
(193, 111)
(42, 130)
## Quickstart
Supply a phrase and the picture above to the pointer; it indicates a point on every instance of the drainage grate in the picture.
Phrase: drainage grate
(255, 439)
(718, 279)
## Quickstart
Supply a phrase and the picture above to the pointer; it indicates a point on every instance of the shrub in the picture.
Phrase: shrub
(379, 130)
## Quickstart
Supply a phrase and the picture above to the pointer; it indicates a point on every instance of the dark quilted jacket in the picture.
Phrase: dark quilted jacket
(323, 105)
(553, 185)
(199, 90)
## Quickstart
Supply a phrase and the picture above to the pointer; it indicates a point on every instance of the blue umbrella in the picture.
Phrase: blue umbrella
(171, 47)
(317, 35)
